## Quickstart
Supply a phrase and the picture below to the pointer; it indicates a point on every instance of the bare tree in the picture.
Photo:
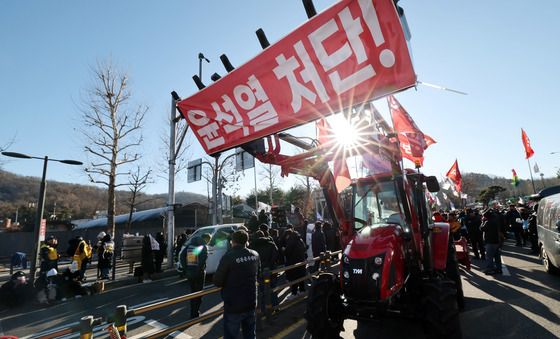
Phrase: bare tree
(5, 146)
(310, 185)
(137, 182)
(271, 174)
(227, 179)
(181, 144)
(112, 128)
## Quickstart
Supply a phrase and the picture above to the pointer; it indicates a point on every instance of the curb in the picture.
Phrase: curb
(126, 281)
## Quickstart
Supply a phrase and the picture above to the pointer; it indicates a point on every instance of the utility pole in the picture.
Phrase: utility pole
(171, 182)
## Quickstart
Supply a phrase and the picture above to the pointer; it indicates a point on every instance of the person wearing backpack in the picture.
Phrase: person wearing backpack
(105, 255)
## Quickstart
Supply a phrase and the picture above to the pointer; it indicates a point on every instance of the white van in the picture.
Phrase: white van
(548, 223)
(217, 246)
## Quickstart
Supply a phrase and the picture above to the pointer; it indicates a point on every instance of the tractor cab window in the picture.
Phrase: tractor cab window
(377, 204)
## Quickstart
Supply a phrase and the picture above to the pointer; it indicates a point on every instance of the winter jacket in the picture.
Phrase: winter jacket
(105, 252)
(267, 250)
(193, 257)
(332, 239)
(318, 242)
(237, 276)
(493, 229)
(295, 253)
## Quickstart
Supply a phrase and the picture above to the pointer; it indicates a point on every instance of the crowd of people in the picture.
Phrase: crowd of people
(486, 230)
(253, 252)
(59, 283)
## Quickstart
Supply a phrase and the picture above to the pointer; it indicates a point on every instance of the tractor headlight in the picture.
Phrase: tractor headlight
(345, 259)
(378, 261)
(346, 275)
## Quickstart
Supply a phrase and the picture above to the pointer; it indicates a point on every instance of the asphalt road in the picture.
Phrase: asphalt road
(522, 303)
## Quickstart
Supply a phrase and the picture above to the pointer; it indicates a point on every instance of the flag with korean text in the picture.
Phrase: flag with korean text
(353, 52)
(412, 141)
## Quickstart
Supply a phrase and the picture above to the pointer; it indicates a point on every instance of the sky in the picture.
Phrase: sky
(504, 54)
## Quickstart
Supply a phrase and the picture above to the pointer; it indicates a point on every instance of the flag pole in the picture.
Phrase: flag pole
(531, 172)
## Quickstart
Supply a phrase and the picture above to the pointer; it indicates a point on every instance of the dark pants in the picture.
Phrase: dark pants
(493, 258)
(477, 243)
(246, 321)
(534, 243)
(273, 295)
(517, 230)
(196, 282)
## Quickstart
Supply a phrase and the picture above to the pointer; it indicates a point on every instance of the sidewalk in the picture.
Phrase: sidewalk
(122, 275)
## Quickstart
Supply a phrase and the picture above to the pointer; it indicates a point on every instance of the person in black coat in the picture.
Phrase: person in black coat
(105, 256)
(268, 253)
(493, 230)
(160, 253)
(473, 221)
(193, 260)
(514, 222)
(237, 276)
(318, 243)
(148, 257)
(295, 253)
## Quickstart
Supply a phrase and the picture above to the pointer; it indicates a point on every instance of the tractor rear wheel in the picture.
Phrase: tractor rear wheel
(440, 310)
(324, 308)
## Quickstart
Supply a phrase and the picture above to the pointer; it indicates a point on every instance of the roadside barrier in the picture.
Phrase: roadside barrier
(118, 320)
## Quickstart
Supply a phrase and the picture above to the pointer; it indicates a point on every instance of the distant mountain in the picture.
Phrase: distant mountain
(71, 201)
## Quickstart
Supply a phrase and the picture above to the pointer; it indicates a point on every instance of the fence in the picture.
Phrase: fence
(119, 318)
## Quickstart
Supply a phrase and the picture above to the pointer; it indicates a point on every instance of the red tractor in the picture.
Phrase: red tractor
(395, 258)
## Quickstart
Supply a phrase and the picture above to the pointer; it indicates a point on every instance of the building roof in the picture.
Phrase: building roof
(123, 218)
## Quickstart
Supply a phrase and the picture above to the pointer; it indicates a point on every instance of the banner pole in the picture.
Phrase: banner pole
(531, 172)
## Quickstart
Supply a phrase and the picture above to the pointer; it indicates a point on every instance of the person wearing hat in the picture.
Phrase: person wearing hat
(49, 255)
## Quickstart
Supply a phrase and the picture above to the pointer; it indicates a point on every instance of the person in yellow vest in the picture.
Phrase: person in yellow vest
(49, 255)
(82, 256)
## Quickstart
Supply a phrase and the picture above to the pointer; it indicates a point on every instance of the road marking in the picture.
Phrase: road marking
(157, 327)
(505, 271)
(147, 303)
(179, 335)
(284, 333)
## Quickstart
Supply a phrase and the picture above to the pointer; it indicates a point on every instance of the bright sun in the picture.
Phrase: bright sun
(346, 135)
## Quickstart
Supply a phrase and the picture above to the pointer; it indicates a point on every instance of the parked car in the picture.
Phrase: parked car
(217, 246)
(548, 223)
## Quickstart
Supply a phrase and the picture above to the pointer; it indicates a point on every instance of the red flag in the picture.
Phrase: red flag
(412, 141)
(325, 136)
(527, 144)
(455, 176)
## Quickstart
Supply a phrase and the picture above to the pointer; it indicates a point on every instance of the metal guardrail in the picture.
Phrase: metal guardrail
(119, 319)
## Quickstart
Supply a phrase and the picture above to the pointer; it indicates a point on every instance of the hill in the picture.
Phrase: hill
(65, 201)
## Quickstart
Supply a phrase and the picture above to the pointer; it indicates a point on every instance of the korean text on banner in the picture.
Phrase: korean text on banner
(353, 52)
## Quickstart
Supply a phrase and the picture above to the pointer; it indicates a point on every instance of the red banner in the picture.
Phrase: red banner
(527, 144)
(353, 52)
(455, 176)
(411, 139)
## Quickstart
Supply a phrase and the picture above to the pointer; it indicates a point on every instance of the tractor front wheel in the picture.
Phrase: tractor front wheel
(440, 310)
(324, 308)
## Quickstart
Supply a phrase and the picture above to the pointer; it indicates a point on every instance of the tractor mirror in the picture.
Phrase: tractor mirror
(432, 184)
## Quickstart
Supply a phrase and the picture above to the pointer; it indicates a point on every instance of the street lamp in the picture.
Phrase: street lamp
(40, 205)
